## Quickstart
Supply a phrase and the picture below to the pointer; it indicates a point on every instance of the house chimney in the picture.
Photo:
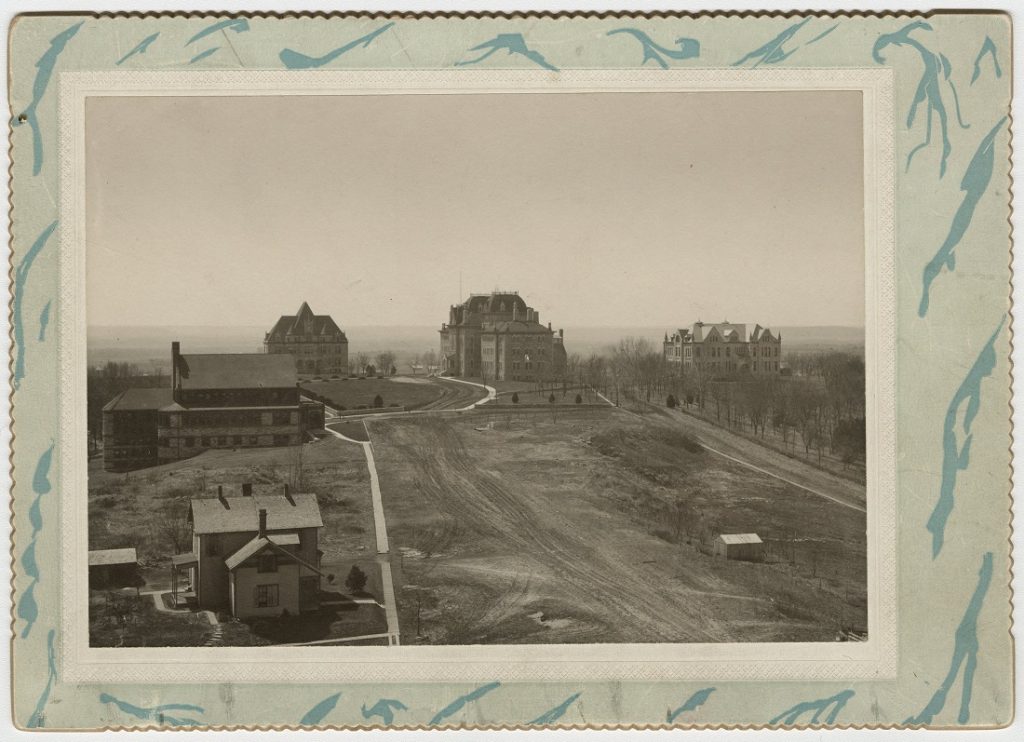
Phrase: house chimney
(263, 523)
(247, 489)
(549, 327)
(561, 332)
(288, 494)
(220, 495)
(175, 353)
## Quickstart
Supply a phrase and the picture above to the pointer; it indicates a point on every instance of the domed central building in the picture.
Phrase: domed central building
(498, 337)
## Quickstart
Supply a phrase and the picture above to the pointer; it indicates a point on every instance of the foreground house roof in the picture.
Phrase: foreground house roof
(241, 514)
(236, 371)
(258, 544)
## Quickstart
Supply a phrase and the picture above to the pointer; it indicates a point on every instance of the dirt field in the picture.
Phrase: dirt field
(593, 528)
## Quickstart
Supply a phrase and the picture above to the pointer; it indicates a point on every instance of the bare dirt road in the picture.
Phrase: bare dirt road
(545, 529)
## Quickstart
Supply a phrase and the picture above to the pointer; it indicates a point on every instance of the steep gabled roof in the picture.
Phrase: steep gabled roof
(241, 514)
(295, 324)
(258, 544)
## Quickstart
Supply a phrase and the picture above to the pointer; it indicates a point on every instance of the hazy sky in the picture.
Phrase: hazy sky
(601, 209)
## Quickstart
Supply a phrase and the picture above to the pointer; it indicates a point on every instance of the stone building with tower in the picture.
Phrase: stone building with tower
(498, 337)
(315, 341)
(724, 349)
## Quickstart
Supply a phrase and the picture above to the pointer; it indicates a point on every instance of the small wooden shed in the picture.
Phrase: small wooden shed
(113, 568)
(746, 547)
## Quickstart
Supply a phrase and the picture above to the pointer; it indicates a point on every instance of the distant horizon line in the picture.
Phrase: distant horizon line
(188, 327)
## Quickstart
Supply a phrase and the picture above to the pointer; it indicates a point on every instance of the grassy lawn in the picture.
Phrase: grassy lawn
(146, 509)
(128, 620)
(329, 622)
(358, 393)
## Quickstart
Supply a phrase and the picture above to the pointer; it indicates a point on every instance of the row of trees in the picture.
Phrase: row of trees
(380, 364)
(820, 408)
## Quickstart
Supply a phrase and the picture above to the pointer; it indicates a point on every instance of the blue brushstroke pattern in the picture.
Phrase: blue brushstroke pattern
(139, 48)
(553, 715)
(774, 51)
(974, 184)
(44, 321)
(988, 47)
(44, 72)
(28, 610)
(203, 54)
(928, 88)
(18, 291)
(965, 650)
(956, 457)
(238, 25)
(823, 34)
(157, 713)
(513, 43)
(316, 714)
(688, 48)
(384, 708)
(456, 705)
(37, 720)
(947, 74)
(692, 703)
(294, 60)
(836, 703)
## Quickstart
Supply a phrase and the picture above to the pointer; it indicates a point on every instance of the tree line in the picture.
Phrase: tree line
(818, 406)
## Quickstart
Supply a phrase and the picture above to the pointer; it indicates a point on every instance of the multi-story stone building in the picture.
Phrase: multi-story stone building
(315, 341)
(724, 349)
(497, 336)
(216, 400)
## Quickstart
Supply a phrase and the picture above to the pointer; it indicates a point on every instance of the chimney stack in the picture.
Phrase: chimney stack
(220, 495)
(288, 494)
(263, 523)
(247, 489)
(175, 353)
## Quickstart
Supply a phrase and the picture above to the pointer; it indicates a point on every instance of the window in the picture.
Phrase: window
(281, 440)
(204, 441)
(237, 440)
(190, 441)
(266, 563)
(265, 596)
(253, 440)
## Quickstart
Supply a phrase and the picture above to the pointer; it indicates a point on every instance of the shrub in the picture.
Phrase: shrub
(579, 399)
(378, 401)
(515, 397)
(356, 579)
(670, 402)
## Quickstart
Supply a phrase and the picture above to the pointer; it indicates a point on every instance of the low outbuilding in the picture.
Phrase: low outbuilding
(113, 568)
(745, 547)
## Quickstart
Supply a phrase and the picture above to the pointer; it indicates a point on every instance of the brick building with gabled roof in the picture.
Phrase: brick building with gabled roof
(253, 554)
(216, 400)
(315, 341)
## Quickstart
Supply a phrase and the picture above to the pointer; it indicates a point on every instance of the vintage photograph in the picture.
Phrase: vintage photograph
(476, 369)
